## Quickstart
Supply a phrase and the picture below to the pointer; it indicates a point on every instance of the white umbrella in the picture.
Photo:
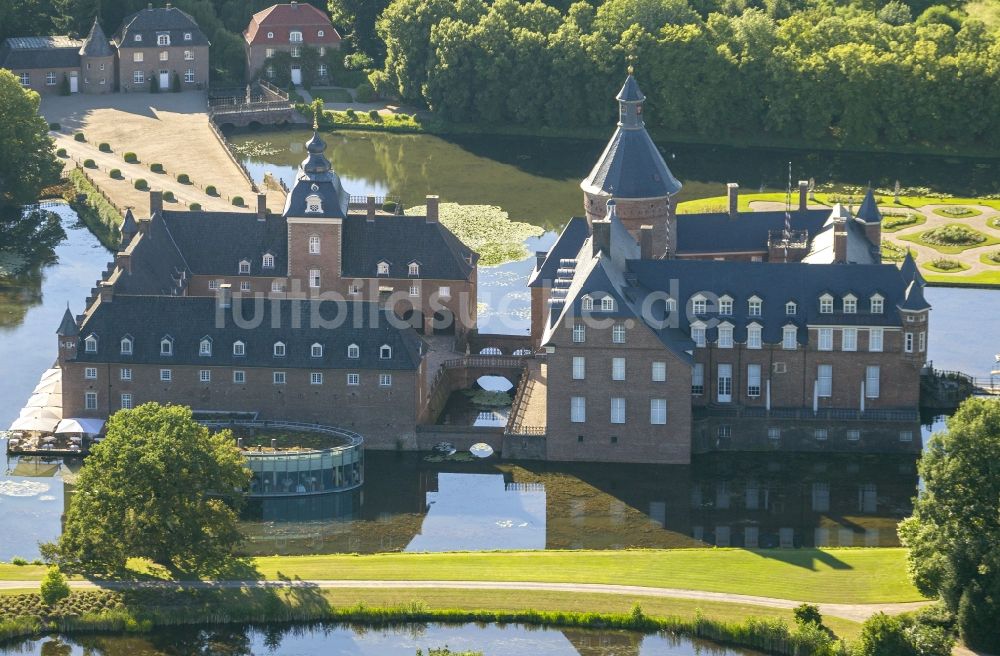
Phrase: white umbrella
(51, 373)
(44, 399)
(44, 413)
(34, 424)
(48, 385)
(80, 425)
(481, 450)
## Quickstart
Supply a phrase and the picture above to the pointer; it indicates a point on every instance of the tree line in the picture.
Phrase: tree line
(718, 70)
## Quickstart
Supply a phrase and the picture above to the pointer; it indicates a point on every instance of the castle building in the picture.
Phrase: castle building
(288, 27)
(319, 314)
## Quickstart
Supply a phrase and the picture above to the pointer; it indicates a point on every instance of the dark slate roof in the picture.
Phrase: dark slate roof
(908, 269)
(156, 262)
(67, 327)
(155, 20)
(96, 44)
(630, 91)
(316, 178)
(129, 225)
(214, 243)
(187, 319)
(869, 212)
(40, 52)
(566, 247)
(400, 240)
(631, 167)
(915, 300)
(859, 249)
(717, 232)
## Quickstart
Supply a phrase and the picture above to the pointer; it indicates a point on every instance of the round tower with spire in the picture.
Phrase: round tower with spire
(632, 171)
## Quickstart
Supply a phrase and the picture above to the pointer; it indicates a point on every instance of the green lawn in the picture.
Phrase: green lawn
(913, 202)
(918, 238)
(968, 212)
(977, 279)
(962, 266)
(887, 220)
(985, 259)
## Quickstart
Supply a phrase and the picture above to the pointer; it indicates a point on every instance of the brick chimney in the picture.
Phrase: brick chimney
(540, 258)
(803, 195)
(370, 209)
(646, 242)
(261, 207)
(839, 235)
(432, 209)
(107, 292)
(601, 239)
(733, 194)
(155, 202)
(123, 260)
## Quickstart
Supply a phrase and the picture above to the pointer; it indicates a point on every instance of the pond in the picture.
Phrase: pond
(362, 640)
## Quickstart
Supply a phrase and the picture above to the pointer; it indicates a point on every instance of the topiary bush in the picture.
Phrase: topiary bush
(953, 235)
(156, 167)
(55, 127)
(131, 158)
(389, 207)
(89, 164)
(183, 178)
(61, 152)
(141, 185)
(169, 196)
(994, 257)
(53, 588)
(79, 136)
(374, 115)
(116, 174)
(946, 265)
(211, 190)
(194, 207)
(351, 114)
(238, 201)
(105, 147)
(956, 211)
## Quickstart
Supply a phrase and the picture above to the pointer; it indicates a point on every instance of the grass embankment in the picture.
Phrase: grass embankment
(96, 212)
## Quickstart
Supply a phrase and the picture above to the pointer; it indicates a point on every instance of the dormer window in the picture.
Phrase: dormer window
(163, 39)
(314, 204)
(588, 303)
(670, 305)
(295, 36)
(383, 268)
(877, 303)
(850, 304)
(385, 352)
(314, 244)
(244, 266)
(725, 305)
(126, 346)
(239, 348)
(698, 333)
(353, 352)
(268, 261)
(608, 304)
(167, 346)
(205, 346)
(137, 38)
(90, 344)
(414, 269)
(699, 304)
(791, 309)
(826, 304)
(755, 306)
(279, 349)
(316, 350)
(725, 339)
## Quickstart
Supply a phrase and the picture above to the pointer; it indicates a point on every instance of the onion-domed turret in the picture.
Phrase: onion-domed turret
(318, 191)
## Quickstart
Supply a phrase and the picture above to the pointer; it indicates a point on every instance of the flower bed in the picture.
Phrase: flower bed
(956, 211)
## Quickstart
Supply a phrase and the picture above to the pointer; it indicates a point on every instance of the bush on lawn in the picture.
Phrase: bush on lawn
(89, 164)
(105, 147)
(183, 178)
(55, 127)
(211, 190)
(131, 158)
(194, 207)
(156, 167)
(169, 196)
(61, 152)
(116, 174)
(141, 185)
(79, 136)
(238, 201)
(953, 235)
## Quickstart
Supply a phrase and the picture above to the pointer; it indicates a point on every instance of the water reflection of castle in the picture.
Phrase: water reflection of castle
(758, 499)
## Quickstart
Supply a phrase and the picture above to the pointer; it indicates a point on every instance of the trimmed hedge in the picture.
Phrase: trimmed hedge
(105, 147)
(79, 136)
(116, 174)
(211, 190)
(183, 178)
(89, 164)
(61, 152)
(194, 207)
(55, 127)
(238, 201)
(141, 185)
(131, 158)
(169, 196)
(96, 212)
(156, 167)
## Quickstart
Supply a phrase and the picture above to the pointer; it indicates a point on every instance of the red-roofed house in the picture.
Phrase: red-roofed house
(289, 27)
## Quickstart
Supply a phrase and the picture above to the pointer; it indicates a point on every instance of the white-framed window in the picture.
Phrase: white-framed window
(876, 304)
(90, 373)
(279, 349)
(295, 36)
(922, 342)
(821, 434)
(126, 346)
(353, 351)
(725, 336)
(189, 75)
(755, 306)
(725, 305)
(617, 368)
(657, 412)
(753, 380)
(166, 375)
(163, 39)
(90, 400)
(382, 269)
(444, 292)
(753, 336)
(618, 333)
(773, 433)
(617, 410)
(239, 348)
(698, 378)
(314, 203)
(354, 289)
(137, 38)
(166, 346)
(385, 380)
(698, 335)
(578, 409)
(187, 36)
(244, 266)
(850, 304)
(414, 290)
(314, 278)
(579, 333)
(607, 304)
(849, 339)
(205, 346)
(875, 336)
(853, 434)
(724, 383)
(239, 376)
(905, 436)
(824, 379)
(125, 373)
(316, 378)
(164, 55)
(320, 33)
(277, 285)
(296, 52)
(699, 305)
(579, 367)
(244, 285)
(872, 376)
(789, 338)
(25, 79)
(50, 79)
(322, 70)
(205, 375)
(270, 35)
(908, 342)
(213, 284)
(826, 304)
(385, 352)
(825, 339)
(137, 57)
(353, 379)
(268, 53)
(188, 55)
(278, 377)
(138, 77)
(413, 269)
(314, 245)
(267, 261)
(587, 303)
(126, 401)
(316, 350)
(659, 372)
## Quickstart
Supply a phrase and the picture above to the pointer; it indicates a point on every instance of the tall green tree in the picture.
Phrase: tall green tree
(954, 533)
(356, 19)
(159, 486)
(28, 163)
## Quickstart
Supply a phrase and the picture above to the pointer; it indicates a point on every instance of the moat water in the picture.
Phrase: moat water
(408, 503)
(363, 640)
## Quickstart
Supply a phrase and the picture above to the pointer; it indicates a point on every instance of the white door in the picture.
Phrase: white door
(74, 83)
(725, 383)
(164, 80)
(296, 75)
